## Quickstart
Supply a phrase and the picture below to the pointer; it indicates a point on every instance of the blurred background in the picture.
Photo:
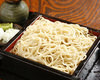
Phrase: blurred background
(84, 12)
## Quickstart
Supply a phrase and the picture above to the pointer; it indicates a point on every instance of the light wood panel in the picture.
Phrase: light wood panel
(84, 12)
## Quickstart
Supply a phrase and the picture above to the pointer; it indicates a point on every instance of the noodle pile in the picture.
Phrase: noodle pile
(59, 45)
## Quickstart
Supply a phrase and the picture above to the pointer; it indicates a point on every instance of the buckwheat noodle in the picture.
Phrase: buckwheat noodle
(59, 45)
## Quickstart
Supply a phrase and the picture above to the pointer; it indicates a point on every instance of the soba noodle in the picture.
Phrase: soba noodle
(59, 45)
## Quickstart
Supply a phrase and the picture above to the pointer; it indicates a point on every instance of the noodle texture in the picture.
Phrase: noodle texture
(55, 44)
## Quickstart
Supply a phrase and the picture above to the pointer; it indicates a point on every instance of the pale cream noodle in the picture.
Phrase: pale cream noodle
(56, 44)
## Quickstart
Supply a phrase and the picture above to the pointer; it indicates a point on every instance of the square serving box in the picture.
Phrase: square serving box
(31, 70)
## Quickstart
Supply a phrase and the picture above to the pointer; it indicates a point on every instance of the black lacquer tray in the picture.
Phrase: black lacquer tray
(31, 70)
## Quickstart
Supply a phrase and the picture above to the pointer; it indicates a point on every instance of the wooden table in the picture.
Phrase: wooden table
(84, 12)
